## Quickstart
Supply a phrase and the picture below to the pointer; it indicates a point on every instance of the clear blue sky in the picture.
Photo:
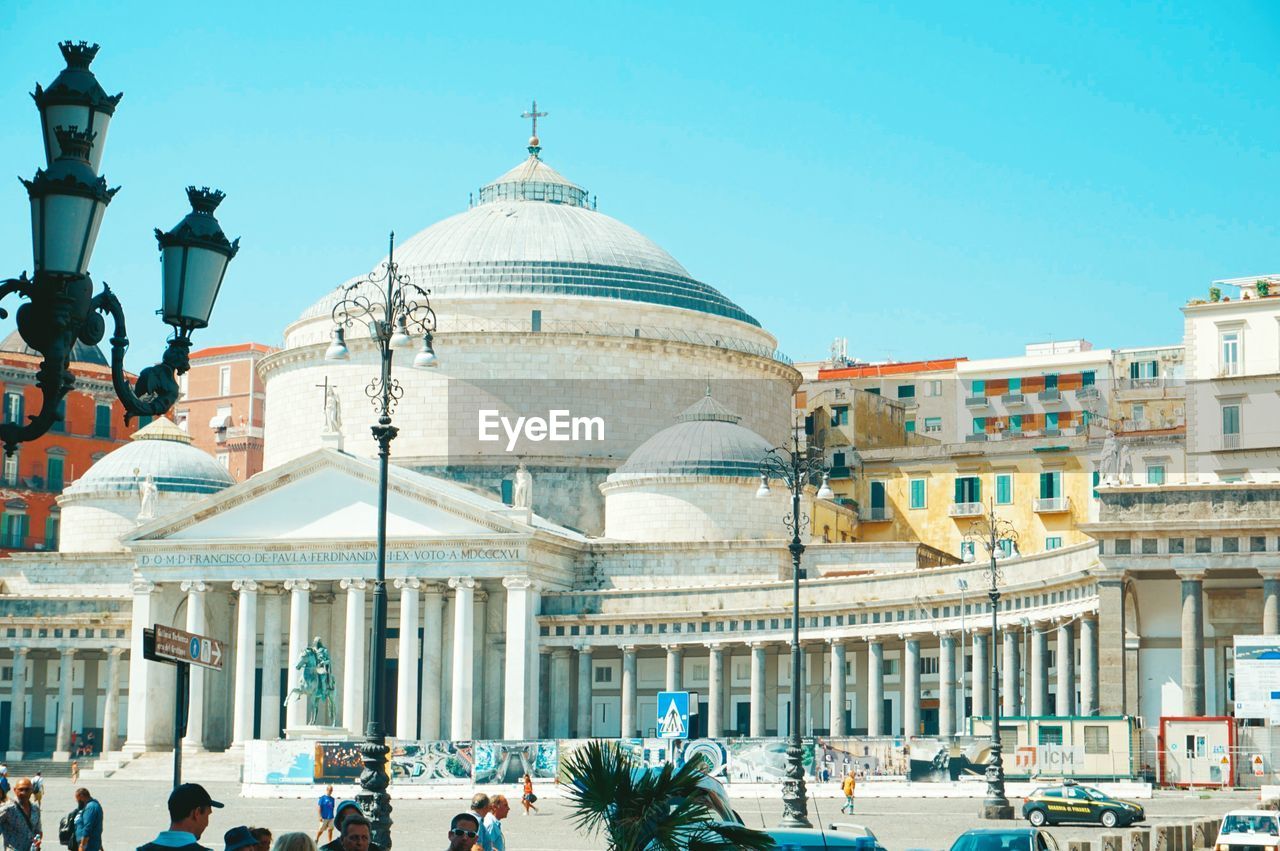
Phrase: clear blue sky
(923, 179)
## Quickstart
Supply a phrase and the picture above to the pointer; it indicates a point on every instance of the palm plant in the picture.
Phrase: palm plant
(643, 809)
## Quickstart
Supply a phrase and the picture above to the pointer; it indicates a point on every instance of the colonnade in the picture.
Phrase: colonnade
(37, 686)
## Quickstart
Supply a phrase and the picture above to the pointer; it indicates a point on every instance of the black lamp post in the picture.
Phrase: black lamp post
(797, 466)
(68, 201)
(392, 308)
(998, 537)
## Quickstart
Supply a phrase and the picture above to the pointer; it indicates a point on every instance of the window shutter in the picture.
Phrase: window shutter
(959, 490)
(977, 489)
(1045, 486)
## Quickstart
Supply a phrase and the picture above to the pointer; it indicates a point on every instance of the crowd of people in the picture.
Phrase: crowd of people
(342, 823)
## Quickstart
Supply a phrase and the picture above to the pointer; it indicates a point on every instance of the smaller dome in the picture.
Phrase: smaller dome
(80, 353)
(706, 440)
(161, 451)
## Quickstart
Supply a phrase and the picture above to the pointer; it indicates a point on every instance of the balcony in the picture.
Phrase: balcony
(1231, 441)
(965, 509)
(1052, 505)
(1053, 395)
(976, 401)
(975, 438)
(876, 514)
(840, 472)
(1013, 400)
(1090, 392)
(1052, 432)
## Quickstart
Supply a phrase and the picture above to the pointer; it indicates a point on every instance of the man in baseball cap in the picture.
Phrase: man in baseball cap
(190, 808)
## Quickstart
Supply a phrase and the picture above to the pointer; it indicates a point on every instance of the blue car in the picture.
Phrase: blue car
(1005, 839)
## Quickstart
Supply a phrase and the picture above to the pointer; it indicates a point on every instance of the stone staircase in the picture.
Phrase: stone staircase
(197, 767)
(47, 767)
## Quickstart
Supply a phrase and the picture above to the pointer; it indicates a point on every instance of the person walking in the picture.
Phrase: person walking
(499, 808)
(88, 822)
(190, 809)
(4, 783)
(325, 808)
(480, 808)
(849, 785)
(464, 832)
(75, 772)
(37, 788)
(20, 819)
(527, 797)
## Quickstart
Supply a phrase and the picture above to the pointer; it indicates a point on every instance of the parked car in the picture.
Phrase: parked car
(851, 837)
(1072, 802)
(1005, 839)
(1249, 829)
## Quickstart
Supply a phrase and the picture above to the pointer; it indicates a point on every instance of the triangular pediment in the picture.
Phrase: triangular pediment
(333, 496)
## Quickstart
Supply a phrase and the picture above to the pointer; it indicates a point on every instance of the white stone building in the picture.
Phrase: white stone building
(645, 563)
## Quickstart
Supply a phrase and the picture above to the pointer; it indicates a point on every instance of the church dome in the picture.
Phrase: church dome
(533, 232)
(706, 440)
(160, 450)
(80, 353)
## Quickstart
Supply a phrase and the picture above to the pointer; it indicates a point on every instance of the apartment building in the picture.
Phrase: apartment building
(92, 424)
(223, 403)
(1232, 343)
(926, 390)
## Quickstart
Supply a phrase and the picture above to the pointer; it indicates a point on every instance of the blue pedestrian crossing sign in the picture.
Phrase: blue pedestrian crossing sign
(673, 714)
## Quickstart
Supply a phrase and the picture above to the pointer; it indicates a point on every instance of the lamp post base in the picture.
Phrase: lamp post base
(373, 799)
(795, 803)
(996, 809)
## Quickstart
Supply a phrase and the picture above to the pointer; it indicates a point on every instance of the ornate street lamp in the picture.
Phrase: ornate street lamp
(393, 309)
(68, 202)
(797, 466)
(998, 537)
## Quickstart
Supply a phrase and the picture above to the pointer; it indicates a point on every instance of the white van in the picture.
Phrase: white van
(1249, 829)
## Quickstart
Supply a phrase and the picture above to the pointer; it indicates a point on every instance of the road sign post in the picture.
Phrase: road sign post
(673, 714)
(182, 650)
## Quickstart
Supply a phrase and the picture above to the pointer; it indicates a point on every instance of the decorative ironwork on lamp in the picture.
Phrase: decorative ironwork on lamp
(68, 201)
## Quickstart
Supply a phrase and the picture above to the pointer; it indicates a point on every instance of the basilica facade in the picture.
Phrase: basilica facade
(637, 558)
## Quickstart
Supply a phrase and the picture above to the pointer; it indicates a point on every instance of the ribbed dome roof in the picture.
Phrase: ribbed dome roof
(162, 451)
(80, 353)
(706, 440)
(533, 233)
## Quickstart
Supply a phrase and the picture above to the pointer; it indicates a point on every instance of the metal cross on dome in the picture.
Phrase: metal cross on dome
(535, 115)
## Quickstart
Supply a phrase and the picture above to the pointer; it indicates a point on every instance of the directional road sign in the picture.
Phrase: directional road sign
(673, 714)
(180, 646)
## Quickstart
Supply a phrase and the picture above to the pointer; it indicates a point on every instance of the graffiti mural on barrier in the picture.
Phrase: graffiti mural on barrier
(762, 760)
(423, 763)
(508, 762)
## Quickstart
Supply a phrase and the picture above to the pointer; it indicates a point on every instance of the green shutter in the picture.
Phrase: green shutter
(977, 490)
(1097, 477)
(1046, 485)
(959, 489)
(911, 426)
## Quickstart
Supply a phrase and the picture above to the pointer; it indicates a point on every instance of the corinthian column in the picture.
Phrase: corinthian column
(353, 651)
(194, 739)
(432, 659)
(407, 667)
(66, 661)
(111, 704)
(464, 598)
(246, 662)
(272, 641)
(299, 637)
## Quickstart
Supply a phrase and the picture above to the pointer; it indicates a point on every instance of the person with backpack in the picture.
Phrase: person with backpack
(4, 783)
(20, 820)
(88, 830)
(37, 789)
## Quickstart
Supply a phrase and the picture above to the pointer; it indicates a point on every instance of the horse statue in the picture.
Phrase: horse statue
(317, 686)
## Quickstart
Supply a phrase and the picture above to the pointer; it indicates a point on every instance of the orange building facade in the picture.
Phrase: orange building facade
(223, 403)
(92, 425)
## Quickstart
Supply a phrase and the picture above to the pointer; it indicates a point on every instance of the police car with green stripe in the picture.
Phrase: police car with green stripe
(1072, 802)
